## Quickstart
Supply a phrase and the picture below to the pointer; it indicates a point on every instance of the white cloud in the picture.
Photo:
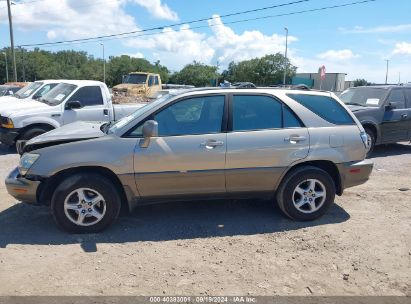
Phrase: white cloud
(176, 48)
(157, 9)
(136, 55)
(72, 19)
(378, 29)
(402, 48)
(339, 55)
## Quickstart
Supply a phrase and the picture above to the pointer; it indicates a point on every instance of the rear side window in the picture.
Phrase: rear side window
(88, 96)
(408, 95)
(325, 107)
(260, 112)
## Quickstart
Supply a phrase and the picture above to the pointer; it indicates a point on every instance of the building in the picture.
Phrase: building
(333, 81)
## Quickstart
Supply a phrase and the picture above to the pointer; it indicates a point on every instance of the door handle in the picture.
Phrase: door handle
(105, 112)
(295, 139)
(211, 144)
(404, 116)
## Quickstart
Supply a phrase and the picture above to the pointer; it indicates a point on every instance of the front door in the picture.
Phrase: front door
(188, 156)
(93, 106)
(407, 92)
(266, 138)
(395, 123)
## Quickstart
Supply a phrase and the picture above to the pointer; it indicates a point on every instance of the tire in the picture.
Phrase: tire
(371, 138)
(99, 209)
(33, 132)
(288, 197)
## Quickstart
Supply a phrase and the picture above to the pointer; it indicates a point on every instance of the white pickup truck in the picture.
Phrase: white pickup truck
(69, 101)
(34, 90)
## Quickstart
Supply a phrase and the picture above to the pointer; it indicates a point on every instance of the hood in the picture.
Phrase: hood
(22, 105)
(354, 108)
(73, 131)
(76, 131)
(9, 98)
(128, 85)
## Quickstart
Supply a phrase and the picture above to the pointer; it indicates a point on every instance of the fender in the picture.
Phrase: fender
(39, 120)
(376, 126)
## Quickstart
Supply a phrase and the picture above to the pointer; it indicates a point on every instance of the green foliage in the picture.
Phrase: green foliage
(264, 71)
(196, 74)
(361, 82)
(41, 64)
(69, 64)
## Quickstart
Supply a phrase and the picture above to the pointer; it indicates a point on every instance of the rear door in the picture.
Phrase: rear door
(188, 156)
(395, 123)
(93, 106)
(265, 138)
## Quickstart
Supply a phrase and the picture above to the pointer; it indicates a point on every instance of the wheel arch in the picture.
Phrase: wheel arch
(44, 126)
(326, 165)
(46, 189)
(374, 128)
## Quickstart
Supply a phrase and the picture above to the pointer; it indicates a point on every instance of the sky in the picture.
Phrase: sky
(356, 40)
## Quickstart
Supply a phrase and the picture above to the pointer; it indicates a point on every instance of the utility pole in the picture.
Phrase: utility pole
(104, 65)
(12, 41)
(386, 73)
(216, 80)
(7, 68)
(285, 59)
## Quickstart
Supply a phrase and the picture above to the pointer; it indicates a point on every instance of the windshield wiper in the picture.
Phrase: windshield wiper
(355, 104)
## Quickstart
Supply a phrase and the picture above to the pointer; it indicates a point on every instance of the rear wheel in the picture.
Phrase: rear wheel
(85, 203)
(306, 193)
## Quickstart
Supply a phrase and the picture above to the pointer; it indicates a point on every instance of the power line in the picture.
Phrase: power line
(171, 25)
(212, 25)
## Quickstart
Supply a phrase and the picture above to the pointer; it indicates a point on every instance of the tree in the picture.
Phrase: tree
(361, 82)
(196, 74)
(264, 71)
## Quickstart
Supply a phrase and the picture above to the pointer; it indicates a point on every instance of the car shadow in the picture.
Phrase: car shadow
(391, 150)
(6, 150)
(32, 225)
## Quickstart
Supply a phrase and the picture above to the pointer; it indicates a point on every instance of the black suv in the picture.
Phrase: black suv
(384, 111)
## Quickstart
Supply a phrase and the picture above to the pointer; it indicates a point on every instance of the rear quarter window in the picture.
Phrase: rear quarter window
(326, 107)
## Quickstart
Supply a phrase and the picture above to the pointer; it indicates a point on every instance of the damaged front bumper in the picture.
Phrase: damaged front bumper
(21, 188)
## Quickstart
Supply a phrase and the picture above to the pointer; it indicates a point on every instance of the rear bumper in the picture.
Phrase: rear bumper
(21, 188)
(8, 136)
(355, 173)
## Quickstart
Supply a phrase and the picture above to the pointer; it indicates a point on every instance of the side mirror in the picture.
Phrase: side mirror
(73, 104)
(393, 105)
(150, 129)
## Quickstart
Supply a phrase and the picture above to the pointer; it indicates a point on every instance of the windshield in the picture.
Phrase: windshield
(58, 94)
(136, 78)
(125, 120)
(28, 90)
(364, 96)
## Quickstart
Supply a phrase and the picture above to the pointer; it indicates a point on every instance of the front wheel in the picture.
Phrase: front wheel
(306, 193)
(85, 203)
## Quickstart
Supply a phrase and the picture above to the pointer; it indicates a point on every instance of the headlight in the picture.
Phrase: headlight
(26, 161)
(7, 123)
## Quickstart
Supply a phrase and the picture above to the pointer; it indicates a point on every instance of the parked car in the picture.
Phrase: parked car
(69, 101)
(7, 90)
(300, 147)
(384, 112)
(34, 90)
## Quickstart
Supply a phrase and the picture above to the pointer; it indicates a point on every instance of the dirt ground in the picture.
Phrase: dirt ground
(361, 247)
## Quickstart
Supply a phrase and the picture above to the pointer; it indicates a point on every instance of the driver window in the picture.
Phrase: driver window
(397, 96)
(199, 115)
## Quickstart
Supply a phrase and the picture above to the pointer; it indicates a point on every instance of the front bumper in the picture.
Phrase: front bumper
(8, 136)
(21, 188)
(355, 173)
